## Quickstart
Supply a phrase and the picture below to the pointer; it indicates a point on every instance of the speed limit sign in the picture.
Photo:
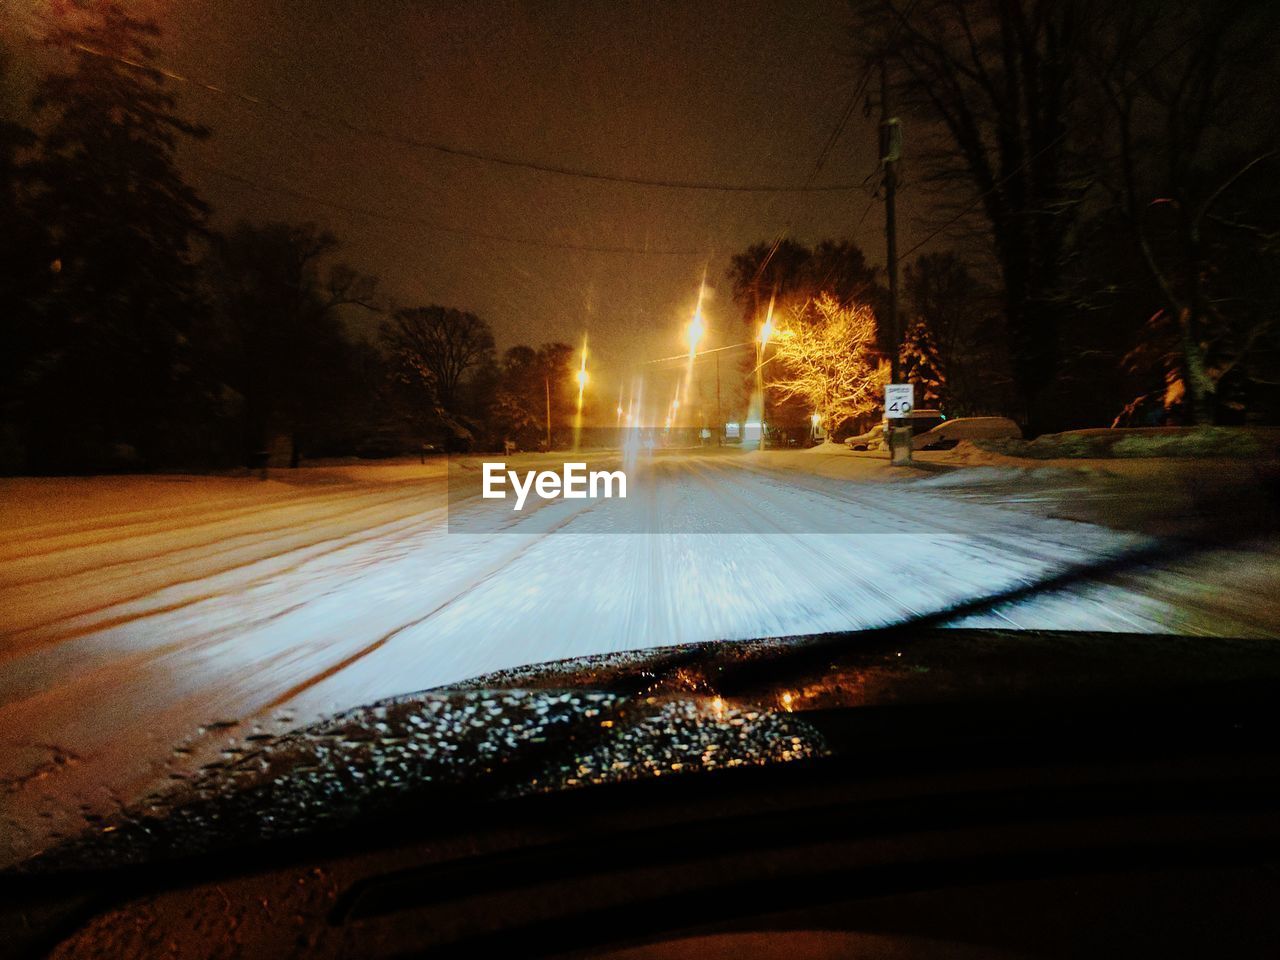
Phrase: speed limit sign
(899, 398)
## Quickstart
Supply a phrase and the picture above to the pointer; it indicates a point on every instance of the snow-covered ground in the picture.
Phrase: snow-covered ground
(140, 615)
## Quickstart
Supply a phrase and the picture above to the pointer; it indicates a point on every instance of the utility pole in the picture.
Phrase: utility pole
(719, 421)
(546, 381)
(760, 385)
(890, 154)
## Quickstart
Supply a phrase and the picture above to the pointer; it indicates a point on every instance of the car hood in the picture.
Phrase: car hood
(647, 714)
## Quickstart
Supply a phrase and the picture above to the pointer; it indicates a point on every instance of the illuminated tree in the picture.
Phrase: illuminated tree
(922, 366)
(791, 273)
(826, 356)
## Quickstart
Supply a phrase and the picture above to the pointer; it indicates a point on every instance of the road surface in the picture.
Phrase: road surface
(144, 616)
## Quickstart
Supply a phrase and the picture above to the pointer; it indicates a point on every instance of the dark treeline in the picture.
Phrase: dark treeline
(1105, 174)
(1116, 166)
(1108, 176)
(136, 336)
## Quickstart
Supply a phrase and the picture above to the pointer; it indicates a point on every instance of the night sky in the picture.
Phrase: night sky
(741, 92)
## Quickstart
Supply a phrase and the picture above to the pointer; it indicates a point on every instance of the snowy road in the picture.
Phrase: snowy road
(146, 614)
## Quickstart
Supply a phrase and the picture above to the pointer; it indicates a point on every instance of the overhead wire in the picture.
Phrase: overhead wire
(468, 153)
(829, 146)
(460, 232)
(480, 156)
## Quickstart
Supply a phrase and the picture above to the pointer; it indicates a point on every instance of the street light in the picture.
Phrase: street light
(582, 386)
(695, 332)
(696, 326)
(582, 375)
(766, 331)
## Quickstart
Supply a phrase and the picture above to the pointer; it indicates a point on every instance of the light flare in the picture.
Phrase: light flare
(767, 328)
(582, 386)
(697, 329)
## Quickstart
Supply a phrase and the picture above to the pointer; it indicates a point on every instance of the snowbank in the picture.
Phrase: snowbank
(1142, 442)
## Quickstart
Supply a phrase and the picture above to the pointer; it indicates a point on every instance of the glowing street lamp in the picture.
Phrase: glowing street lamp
(766, 331)
(582, 375)
(582, 386)
(696, 327)
(695, 332)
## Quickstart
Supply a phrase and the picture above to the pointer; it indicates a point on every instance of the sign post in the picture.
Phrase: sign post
(899, 401)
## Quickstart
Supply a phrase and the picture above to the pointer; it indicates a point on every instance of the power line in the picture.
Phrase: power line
(828, 146)
(701, 353)
(407, 140)
(842, 122)
(832, 139)
(436, 227)
(366, 212)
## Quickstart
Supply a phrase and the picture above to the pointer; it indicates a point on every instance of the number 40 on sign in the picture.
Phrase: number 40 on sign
(899, 398)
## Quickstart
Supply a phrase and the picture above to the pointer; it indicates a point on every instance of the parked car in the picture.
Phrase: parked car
(950, 432)
(871, 440)
(921, 421)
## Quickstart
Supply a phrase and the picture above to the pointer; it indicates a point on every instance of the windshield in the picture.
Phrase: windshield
(359, 349)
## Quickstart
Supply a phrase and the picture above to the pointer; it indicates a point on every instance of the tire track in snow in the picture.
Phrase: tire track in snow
(185, 518)
(16, 641)
(489, 575)
(340, 506)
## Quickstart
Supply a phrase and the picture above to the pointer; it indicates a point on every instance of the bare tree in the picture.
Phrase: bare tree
(993, 81)
(1180, 81)
(280, 341)
(826, 356)
(791, 273)
(438, 345)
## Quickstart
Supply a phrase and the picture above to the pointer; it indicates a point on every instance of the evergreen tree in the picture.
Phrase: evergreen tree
(116, 381)
(24, 273)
